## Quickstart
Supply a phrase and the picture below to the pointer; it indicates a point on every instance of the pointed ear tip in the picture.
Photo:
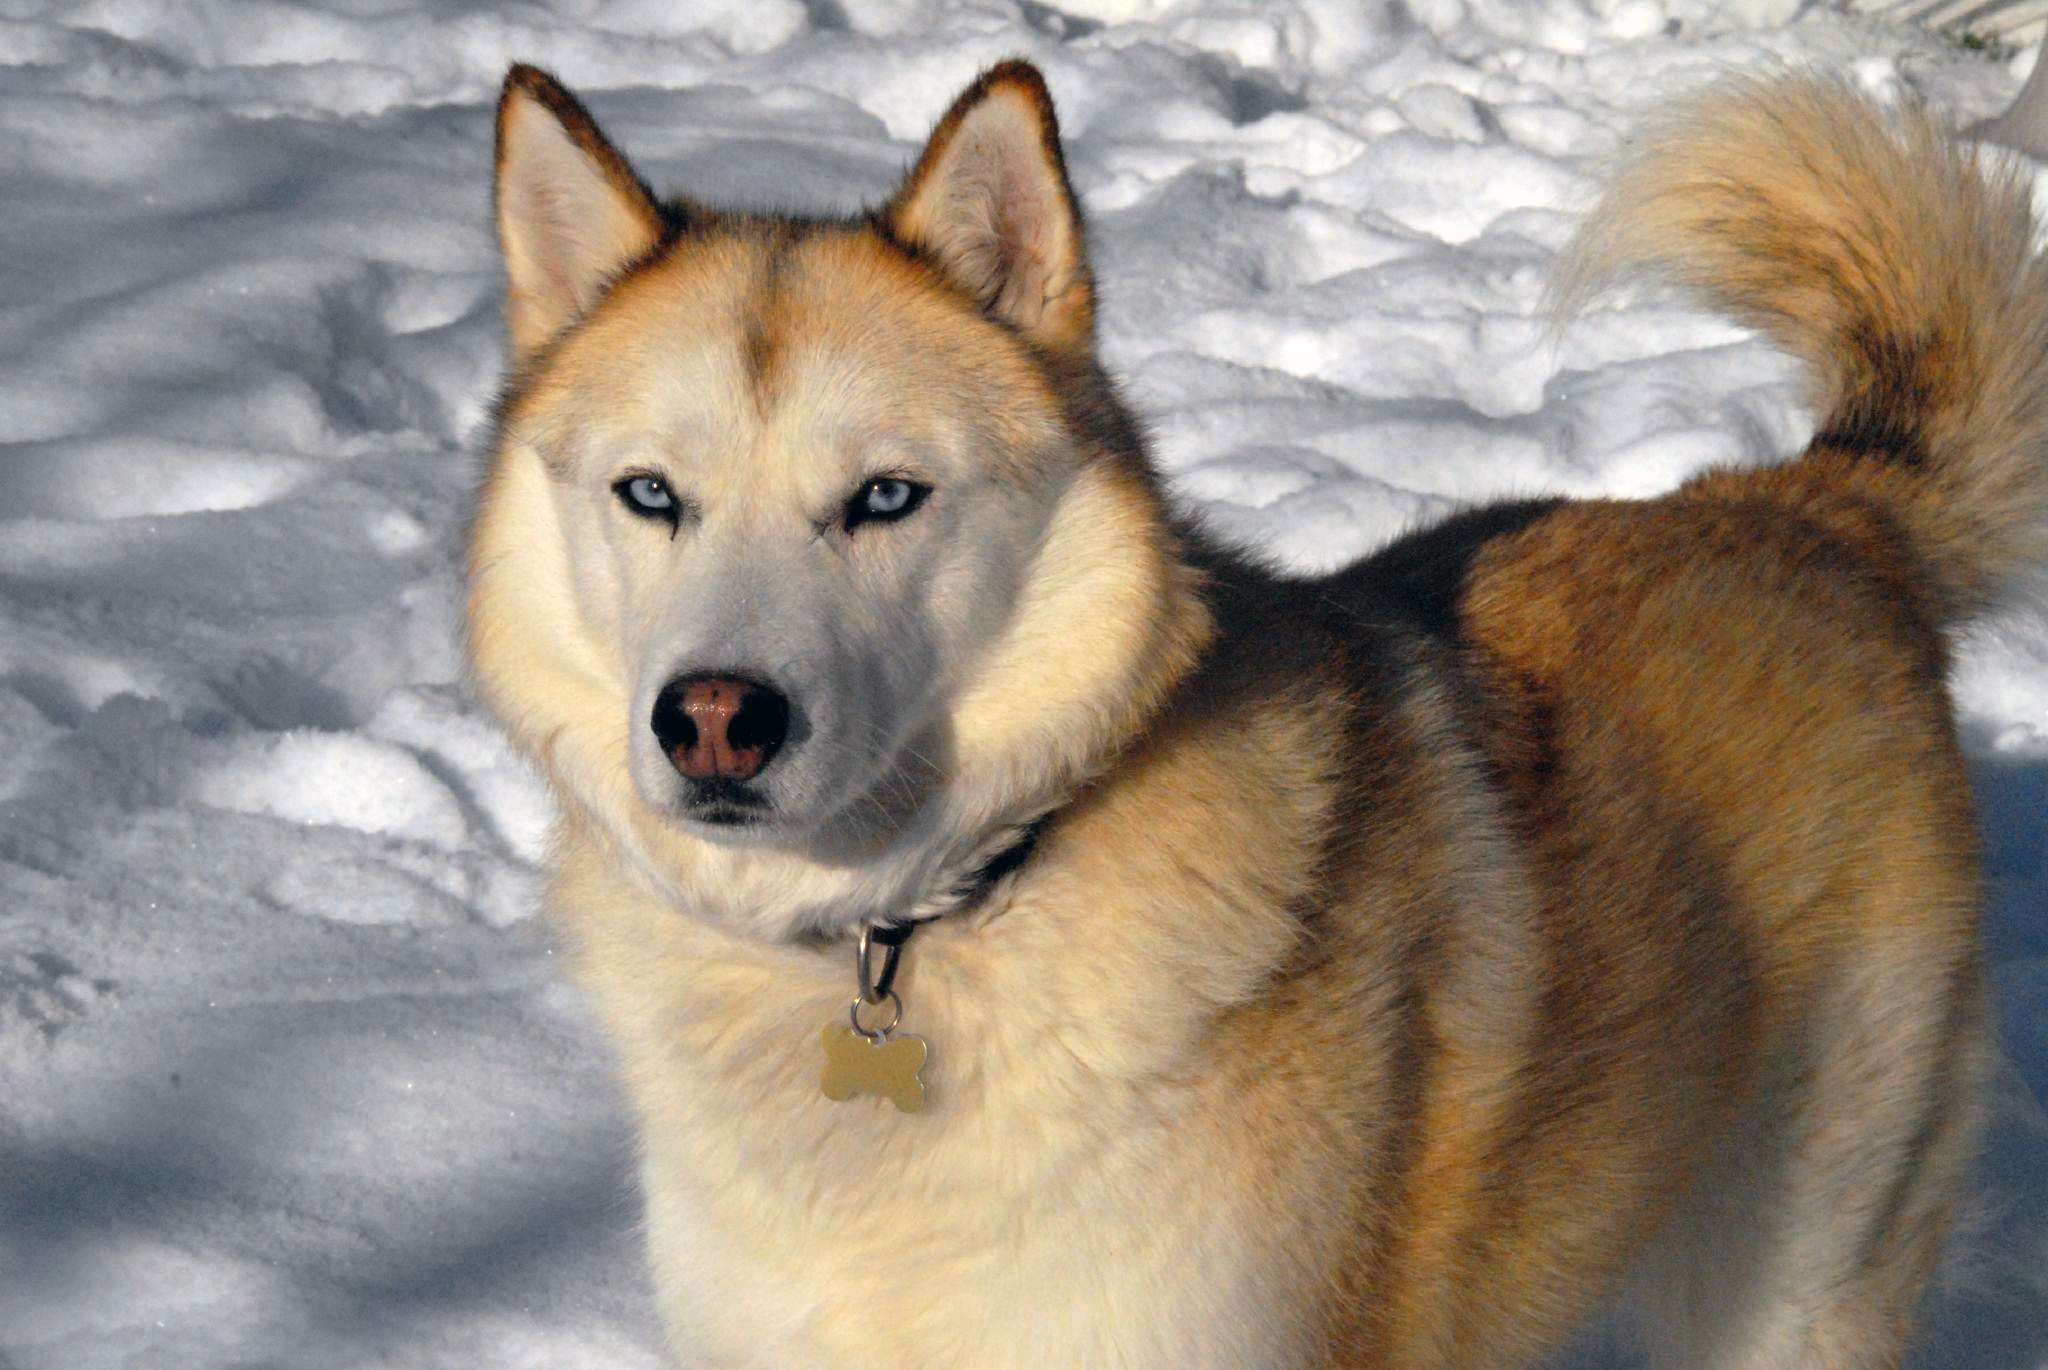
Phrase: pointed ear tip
(526, 81)
(1017, 74)
(1015, 69)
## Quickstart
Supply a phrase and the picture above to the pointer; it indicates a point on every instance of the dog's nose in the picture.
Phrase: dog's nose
(719, 727)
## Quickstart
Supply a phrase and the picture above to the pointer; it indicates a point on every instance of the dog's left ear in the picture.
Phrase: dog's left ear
(989, 201)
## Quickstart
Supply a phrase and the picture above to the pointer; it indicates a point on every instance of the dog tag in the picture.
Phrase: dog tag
(892, 1067)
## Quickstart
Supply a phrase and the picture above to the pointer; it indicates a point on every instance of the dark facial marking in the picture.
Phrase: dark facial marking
(760, 334)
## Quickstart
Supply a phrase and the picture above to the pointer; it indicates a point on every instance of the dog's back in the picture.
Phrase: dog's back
(1720, 726)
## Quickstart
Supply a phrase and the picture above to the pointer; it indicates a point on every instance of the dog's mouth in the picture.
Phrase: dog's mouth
(725, 803)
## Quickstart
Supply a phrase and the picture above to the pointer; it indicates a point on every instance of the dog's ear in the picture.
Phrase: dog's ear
(571, 213)
(989, 202)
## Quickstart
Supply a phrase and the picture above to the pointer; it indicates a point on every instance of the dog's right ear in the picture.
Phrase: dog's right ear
(571, 212)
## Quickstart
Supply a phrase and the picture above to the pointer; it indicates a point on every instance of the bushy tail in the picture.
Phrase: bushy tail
(1879, 251)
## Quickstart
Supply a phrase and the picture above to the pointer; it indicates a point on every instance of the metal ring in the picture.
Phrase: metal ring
(875, 988)
(881, 1034)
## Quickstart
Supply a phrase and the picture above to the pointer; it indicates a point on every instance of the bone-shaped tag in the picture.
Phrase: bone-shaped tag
(893, 1067)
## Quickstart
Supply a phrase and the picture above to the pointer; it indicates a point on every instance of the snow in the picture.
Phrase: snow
(288, 1074)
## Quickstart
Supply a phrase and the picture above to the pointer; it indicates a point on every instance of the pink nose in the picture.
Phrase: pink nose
(717, 727)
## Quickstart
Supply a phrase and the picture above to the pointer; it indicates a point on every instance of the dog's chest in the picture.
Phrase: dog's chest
(808, 1232)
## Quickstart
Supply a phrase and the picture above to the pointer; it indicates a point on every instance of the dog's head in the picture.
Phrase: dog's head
(812, 548)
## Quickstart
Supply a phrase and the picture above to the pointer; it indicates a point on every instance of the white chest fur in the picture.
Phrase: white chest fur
(1073, 1196)
(1085, 1250)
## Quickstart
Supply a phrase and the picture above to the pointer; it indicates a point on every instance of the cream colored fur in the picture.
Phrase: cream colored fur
(1960, 325)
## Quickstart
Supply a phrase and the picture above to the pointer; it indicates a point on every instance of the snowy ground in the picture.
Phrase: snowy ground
(287, 1074)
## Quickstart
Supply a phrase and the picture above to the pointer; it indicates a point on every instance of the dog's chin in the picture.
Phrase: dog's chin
(728, 811)
(723, 818)
(818, 816)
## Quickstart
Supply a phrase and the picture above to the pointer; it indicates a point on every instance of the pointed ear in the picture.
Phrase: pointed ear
(989, 201)
(571, 213)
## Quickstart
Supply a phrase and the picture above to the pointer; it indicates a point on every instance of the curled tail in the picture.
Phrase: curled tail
(1879, 251)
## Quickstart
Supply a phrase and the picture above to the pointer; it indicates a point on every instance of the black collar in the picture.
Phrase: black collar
(976, 887)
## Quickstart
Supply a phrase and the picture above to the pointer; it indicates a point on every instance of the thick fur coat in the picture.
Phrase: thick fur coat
(1571, 904)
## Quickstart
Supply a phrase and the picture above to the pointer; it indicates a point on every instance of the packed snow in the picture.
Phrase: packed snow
(289, 1076)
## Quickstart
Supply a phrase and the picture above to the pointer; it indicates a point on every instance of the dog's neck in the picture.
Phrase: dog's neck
(996, 857)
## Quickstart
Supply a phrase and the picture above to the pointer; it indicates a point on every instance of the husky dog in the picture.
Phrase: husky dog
(1376, 970)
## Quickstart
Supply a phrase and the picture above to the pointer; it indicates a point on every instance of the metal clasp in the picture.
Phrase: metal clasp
(878, 987)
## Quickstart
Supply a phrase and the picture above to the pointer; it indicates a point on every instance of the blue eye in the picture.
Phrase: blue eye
(649, 497)
(647, 493)
(886, 497)
(884, 500)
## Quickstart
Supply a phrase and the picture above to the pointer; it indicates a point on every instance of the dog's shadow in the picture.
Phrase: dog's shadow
(1988, 1308)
